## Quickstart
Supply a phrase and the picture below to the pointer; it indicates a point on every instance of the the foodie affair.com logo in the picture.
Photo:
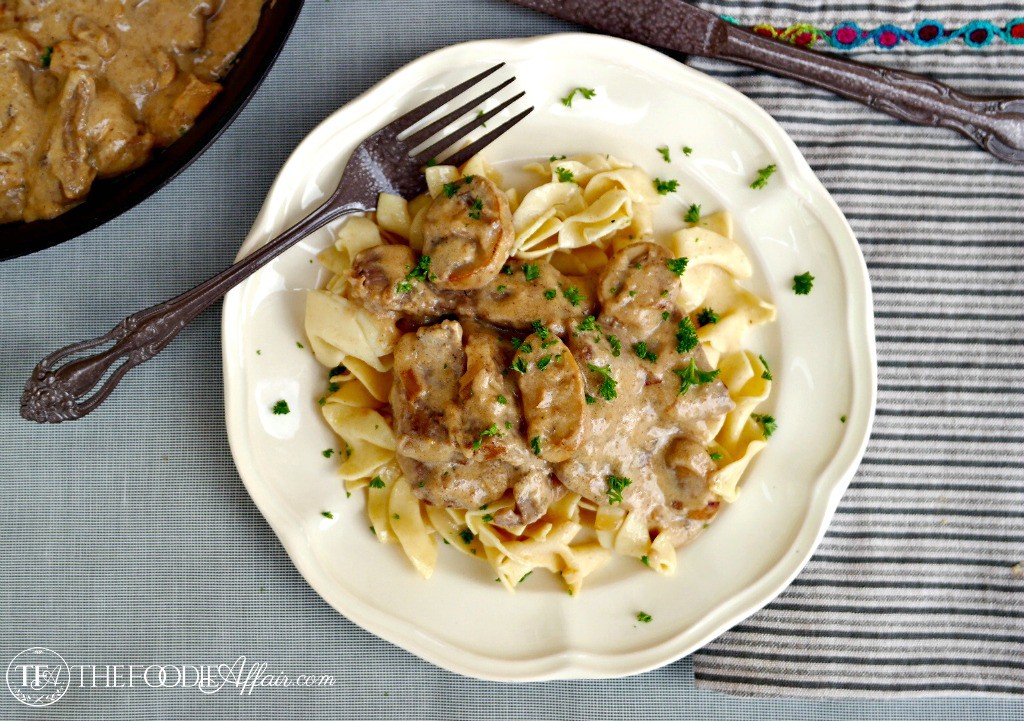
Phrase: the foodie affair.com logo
(39, 677)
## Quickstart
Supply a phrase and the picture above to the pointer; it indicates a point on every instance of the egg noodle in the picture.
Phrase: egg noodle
(576, 225)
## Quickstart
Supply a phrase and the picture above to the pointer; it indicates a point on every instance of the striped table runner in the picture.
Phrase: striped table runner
(918, 587)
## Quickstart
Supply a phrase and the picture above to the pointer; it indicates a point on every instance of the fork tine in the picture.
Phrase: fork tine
(452, 138)
(421, 111)
(421, 135)
(479, 144)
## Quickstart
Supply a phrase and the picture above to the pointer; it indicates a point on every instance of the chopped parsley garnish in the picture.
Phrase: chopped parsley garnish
(548, 343)
(687, 150)
(519, 365)
(299, 345)
(573, 295)
(420, 272)
(762, 177)
(540, 330)
(643, 352)
(768, 424)
(531, 271)
(502, 400)
(587, 94)
(550, 294)
(525, 576)
(337, 371)
(507, 269)
(802, 284)
(665, 153)
(686, 336)
(693, 214)
(47, 56)
(677, 265)
(615, 344)
(327, 514)
(450, 189)
(706, 316)
(664, 187)
(431, 163)
(616, 484)
(508, 425)
(544, 362)
(632, 294)
(645, 560)
(767, 375)
(665, 315)
(535, 445)
(396, 516)
(588, 323)
(280, 408)
(466, 535)
(554, 158)
(487, 518)
(475, 208)
(607, 388)
(486, 433)
(327, 452)
(501, 288)
(842, 419)
(591, 400)
(376, 482)
(322, 400)
(480, 114)
(644, 617)
(564, 175)
(517, 343)
(691, 376)
(333, 387)
(716, 456)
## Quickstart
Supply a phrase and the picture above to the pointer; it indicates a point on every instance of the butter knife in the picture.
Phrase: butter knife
(996, 124)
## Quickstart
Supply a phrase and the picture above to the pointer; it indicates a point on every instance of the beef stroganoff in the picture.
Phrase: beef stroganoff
(539, 381)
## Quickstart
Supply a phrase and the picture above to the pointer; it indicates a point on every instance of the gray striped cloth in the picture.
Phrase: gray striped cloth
(917, 588)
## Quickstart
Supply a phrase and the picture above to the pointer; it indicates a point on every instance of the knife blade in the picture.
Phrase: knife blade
(669, 24)
(994, 123)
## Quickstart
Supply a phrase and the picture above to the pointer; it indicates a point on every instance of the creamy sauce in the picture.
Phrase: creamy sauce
(532, 382)
(91, 87)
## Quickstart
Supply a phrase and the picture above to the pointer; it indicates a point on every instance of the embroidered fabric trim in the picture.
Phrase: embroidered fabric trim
(927, 33)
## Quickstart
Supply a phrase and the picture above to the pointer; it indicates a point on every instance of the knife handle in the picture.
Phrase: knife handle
(996, 124)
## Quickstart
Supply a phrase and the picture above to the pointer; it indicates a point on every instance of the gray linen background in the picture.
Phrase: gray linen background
(128, 538)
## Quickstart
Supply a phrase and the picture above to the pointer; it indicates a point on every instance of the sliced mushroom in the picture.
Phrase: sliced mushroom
(534, 494)
(390, 279)
(424, 393)
(526, 292)
(551, 387)
(468, 233)
(637, 286)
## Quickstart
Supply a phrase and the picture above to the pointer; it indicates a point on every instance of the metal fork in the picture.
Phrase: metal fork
(382, 163)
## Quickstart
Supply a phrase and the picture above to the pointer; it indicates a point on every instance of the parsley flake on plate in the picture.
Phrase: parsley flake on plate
(280, 408)
(665, 153)
(707, 316)
(664, 187)
(802, 284)
(762, 177)
(586, 93)
(693, 214)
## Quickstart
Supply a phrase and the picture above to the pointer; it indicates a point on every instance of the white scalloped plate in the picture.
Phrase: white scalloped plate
(821, 349)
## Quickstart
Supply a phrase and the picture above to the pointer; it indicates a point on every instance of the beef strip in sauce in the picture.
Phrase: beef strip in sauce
(90, 87)
(588, 398)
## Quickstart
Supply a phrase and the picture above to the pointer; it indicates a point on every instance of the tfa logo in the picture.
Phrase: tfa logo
(38, 677)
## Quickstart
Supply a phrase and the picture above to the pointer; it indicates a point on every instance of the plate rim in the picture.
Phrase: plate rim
(824, 500)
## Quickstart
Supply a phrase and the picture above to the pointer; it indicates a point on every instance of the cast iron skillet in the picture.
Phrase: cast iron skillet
(109, 198)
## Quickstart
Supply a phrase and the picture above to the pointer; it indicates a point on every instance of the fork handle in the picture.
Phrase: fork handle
(996, 124)
(59, 394)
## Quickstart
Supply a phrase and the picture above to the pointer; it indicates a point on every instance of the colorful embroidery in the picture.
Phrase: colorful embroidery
(927, 33)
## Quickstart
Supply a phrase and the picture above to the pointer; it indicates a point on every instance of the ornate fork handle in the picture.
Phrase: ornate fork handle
(996, 124)
(54, 394)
